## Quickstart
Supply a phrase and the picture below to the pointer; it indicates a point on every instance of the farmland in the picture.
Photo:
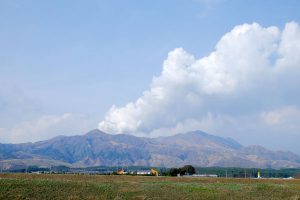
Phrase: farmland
(50, 186)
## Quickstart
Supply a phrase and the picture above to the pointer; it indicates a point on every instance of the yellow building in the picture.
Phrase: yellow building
(154, 172)
(120, 172)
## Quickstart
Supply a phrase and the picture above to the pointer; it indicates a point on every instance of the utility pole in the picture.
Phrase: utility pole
(245, 174)
(226, 173)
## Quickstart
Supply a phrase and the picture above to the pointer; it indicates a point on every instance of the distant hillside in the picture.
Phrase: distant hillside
(98, 148)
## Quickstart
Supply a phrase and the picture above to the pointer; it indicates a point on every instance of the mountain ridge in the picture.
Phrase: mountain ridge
(98, 148)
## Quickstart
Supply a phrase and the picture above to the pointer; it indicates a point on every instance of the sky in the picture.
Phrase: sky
(151, 68)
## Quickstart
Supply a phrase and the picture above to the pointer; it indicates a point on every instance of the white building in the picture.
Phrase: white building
(143, 172)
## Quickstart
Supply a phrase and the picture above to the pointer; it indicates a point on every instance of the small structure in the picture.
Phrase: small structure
(121, 172)
(206, 175)
(143, 172)
(289, 178)
(37, 172)
(154, 172)
(201, 175)
(138, 172)
(258, 174)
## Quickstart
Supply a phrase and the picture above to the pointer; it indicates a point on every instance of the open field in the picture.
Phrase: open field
(49, 186)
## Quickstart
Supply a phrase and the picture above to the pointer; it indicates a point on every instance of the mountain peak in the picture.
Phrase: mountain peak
(196, 148)
(198, 135)
(95, 132)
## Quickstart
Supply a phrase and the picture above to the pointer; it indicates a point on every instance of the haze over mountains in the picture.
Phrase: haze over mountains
(98, 148)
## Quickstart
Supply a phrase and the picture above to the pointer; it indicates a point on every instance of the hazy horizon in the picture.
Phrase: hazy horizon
(228, 68)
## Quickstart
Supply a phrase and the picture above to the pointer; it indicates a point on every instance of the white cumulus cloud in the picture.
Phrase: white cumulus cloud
(251, 70)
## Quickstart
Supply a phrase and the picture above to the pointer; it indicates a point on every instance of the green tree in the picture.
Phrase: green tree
(187, 169)
(173, 172)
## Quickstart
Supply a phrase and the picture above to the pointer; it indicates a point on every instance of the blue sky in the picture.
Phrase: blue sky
(63, 64)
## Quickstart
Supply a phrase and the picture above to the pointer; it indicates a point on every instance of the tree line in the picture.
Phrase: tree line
(185, 170)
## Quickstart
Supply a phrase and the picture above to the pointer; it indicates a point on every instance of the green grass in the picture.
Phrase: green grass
(33, 186)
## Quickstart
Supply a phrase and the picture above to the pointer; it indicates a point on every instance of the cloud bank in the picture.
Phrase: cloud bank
(45, 126)
(251, 78)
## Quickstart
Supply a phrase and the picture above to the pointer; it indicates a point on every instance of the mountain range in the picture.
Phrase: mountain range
(98, 148)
